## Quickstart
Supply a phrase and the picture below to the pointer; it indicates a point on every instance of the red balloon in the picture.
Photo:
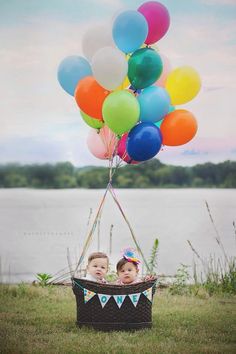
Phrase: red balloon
(89, 96)
(122, 152)
(178, 127)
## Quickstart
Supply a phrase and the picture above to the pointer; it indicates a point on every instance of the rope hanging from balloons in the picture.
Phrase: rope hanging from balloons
(109, 188)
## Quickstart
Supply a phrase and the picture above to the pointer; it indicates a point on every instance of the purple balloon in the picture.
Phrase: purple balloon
(144, 141)
(158, 19)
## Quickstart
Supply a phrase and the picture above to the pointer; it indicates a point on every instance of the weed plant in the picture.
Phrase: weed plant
(219, 273)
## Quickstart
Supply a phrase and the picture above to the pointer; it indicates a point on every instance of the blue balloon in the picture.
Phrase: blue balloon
(129, 31)
(138, 91)
(71, 70)
(144, 141)
(154, 104)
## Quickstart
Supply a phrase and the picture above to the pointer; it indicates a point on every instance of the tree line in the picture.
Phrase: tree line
(150, 174)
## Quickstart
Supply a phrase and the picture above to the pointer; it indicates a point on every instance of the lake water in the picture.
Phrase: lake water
(37, 226)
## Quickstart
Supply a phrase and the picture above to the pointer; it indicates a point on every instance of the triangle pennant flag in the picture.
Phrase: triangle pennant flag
(148, 294)
(103, 299)
(119, 299)
(134, 298)
(88, 294)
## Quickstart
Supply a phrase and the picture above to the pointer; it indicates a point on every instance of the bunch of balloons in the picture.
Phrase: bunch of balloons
(127, 91)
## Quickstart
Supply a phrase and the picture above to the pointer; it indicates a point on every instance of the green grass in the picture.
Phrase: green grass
(42, 320)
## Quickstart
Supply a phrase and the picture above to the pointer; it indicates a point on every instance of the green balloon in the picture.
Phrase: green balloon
(92, 122)
(121, 111)
(145, 67)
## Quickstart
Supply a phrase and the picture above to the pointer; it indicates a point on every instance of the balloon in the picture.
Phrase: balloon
(95, 38)
(183, 84)
(158, 124)
(145, 67)
(154, 104)
(158, 20)
(71, 70)
(92, 122)
(178, 127)
(129, 30)
(120, 111)
(109, 67)
(102, 144)
(165, 72)
(89, 96)
(122, 152)
(144, 141)
(124, 84)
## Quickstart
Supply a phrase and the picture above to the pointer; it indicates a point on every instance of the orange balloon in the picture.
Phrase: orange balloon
(89, 96)
(178, 127)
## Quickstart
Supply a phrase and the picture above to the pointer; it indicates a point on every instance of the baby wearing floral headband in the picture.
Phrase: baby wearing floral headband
(127, 268)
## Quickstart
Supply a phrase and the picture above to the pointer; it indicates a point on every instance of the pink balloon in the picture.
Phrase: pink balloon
(102, 143)
(165, 71)
(158, 20)
(121, 150)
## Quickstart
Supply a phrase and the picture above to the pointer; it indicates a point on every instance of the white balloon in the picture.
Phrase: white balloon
(109, 67)
(96, 37)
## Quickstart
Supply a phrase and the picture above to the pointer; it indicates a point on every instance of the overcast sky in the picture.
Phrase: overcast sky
(39, 122)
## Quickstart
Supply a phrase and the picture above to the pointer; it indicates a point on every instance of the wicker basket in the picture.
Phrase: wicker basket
(111, 317)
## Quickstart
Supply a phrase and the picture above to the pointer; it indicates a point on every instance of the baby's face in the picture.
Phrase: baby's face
(98, 267)
(128, 273)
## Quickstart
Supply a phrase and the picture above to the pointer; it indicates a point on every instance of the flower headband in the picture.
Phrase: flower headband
(129, 255)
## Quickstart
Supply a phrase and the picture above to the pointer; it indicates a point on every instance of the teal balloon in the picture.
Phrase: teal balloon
(172, 109)
(145, 67)
(154, 104)
(158, 124)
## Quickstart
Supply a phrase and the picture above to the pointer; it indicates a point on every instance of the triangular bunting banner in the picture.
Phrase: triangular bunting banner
(103, 299)
(119, 299)
(88, 294)
(148, 294)
(134, 298)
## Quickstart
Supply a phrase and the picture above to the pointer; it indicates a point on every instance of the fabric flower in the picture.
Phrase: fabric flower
(129, 254)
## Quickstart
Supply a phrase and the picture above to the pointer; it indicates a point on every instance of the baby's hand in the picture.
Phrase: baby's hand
(149, 277)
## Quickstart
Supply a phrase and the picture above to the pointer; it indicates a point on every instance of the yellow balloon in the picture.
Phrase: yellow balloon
(183, 84)
(124, 84)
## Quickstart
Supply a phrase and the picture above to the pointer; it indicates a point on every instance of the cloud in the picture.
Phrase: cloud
(193, 152)
(213, 88)
(219, 2)
(37, 113)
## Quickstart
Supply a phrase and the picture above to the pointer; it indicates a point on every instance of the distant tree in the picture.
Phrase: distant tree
(15, 180)
(150, 174)
(64, 168)
(65, 181)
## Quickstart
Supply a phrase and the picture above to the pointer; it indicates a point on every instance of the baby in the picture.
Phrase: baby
(97, 267)
(127, 268)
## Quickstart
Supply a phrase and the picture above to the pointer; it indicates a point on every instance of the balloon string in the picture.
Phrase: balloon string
(112, 192)
(112, 168)
(98, 215)
(90, 234)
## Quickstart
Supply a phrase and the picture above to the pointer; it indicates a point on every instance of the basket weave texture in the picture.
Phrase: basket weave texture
(111, 317)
